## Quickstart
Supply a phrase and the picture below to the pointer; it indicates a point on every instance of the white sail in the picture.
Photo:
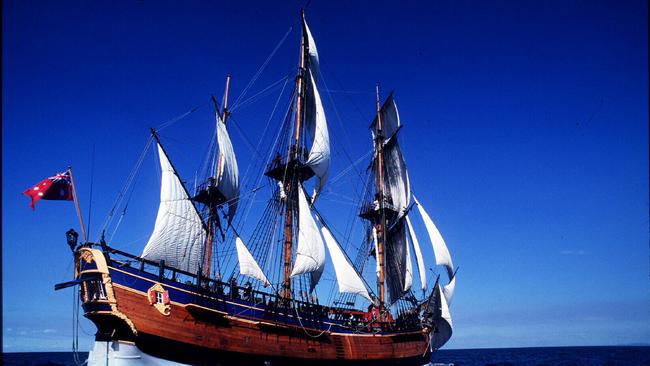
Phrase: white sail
(310, 255)
(443, 258)
(443, 324)
(178, 235)
(319, 154)
(313, 51)
(422, 270)
(228, 171)
(247, 264)
(347, 277)
(408, 275)
(315, 120)
(448, 290)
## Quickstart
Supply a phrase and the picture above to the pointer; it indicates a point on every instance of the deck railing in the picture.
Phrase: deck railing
(268, 301)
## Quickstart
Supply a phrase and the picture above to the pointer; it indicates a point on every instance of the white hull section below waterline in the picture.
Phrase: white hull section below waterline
(116, 353)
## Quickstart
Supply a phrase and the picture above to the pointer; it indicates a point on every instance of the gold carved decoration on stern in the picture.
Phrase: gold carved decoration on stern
(159, 298)
(89, 255)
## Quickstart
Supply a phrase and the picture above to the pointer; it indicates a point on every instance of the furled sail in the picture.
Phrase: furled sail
(374, 242)
(228, 171)
(408, 276)
(396, 181)
(316, 123)
(418, 254)
(347, 277)
(310, 254)
(179, 234)
(443, 258)
(247, 264)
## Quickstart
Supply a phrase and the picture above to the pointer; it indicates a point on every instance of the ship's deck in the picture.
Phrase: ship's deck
(210, 296)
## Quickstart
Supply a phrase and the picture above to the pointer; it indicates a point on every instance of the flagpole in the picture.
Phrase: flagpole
(76, 205)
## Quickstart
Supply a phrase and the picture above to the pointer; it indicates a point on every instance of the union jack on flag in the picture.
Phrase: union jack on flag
(58, 187)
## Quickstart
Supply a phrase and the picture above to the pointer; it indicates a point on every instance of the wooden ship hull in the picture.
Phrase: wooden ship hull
(170, 306)
(194, 325)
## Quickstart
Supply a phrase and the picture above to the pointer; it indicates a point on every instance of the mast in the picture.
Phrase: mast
(226, 113)
(300, 86)
(290, 185)
(207, 258)
(381, 225)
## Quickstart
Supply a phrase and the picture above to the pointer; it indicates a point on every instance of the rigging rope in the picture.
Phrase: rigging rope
(261, 93)
(180, 117)
(305, 330)
(130, 178)
(75, 328)
(261, 69)
(249, 206)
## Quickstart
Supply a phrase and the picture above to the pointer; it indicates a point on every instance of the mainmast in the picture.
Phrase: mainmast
(290, 183)
(380, 226)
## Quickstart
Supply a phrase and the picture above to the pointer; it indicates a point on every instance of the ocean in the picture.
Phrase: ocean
(542, 356)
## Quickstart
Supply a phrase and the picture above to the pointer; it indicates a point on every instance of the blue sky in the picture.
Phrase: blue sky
(526, 137)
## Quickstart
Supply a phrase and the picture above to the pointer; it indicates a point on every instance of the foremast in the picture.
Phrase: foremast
(221, 188)
(213, 215)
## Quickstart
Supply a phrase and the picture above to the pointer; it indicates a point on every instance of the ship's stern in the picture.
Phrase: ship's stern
(98, 298)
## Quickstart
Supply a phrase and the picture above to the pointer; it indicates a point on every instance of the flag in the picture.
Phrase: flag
(58, 187)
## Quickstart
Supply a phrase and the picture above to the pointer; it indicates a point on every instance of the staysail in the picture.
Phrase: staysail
(247, 264)
(179, 233)
(310, 254)
(443, 258)
(227, 175)
(422, 270)
(347, 277)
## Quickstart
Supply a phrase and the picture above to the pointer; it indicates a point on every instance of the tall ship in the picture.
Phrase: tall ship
(210, 288)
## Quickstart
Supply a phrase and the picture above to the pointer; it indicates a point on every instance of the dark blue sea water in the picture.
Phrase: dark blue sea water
(547, 356)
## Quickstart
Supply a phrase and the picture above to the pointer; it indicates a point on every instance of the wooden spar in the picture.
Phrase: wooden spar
(381, 226)
(291, 177)
(207, 258)
(288, 239)
(225, 100)
(299, 81)
(209, 243)
(76, 204)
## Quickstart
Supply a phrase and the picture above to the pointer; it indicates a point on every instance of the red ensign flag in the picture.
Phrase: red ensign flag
(58, 187)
